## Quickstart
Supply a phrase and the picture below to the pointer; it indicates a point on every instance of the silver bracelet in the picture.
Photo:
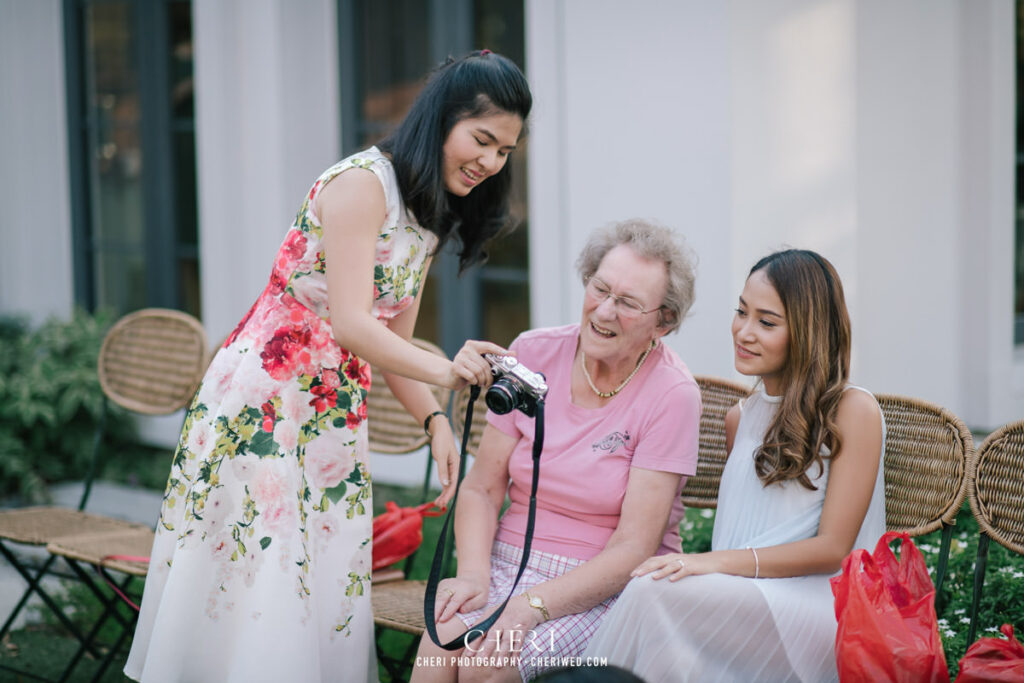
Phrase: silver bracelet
(757, 563)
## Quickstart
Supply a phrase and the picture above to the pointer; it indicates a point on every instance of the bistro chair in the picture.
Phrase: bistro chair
(927, 451)
(996, 492)
(150, 362)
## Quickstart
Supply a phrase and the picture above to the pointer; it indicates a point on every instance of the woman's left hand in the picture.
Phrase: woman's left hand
(513, 626)
(676, 565)
(446, 457)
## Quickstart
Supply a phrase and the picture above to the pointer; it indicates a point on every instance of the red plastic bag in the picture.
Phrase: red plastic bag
(399, 531)
(993, 659)
(888, 630)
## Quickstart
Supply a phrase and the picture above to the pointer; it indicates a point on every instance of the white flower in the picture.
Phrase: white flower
(280, 519)
(219, 376)
(202, 437)
(707, 513)
(244, 466)
(329, 459)
(949, 634)
(221, 547)
(325, 526)
(965, 620)
(218, 504)
(286, 434)
(360, 563)
(269, 486)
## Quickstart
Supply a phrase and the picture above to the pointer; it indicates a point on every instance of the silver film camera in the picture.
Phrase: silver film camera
(515, 386)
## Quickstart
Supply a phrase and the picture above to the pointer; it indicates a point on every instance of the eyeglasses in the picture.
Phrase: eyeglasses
(625, 306)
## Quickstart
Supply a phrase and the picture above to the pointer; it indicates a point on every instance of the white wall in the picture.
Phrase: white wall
(878, 133)
(631, 119)
(267, 124)
(35, 218)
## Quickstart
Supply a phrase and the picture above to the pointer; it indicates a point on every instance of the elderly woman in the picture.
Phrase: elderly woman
(622, 415)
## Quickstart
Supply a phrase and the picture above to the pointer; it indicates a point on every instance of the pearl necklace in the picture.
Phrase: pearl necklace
(609, 394)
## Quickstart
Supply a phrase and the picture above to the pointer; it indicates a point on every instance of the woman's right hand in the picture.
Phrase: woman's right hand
(463, 593)
(469, 365)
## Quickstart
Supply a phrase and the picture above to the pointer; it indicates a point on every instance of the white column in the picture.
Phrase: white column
(632, 121)
(35, 195)
(267, 124)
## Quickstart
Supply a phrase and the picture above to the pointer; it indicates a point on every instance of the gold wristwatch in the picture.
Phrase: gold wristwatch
(538, 604)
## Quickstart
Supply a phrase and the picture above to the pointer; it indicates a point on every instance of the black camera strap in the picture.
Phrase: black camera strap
(441, 552)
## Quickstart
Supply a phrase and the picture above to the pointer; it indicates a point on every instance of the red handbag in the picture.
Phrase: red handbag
(888, 630)
(993, 659)
(398, 532)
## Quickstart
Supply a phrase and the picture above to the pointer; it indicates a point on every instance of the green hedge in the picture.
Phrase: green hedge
(50, 401)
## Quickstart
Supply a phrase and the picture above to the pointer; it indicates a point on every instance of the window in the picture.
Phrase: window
(387, 47)
(132, 141)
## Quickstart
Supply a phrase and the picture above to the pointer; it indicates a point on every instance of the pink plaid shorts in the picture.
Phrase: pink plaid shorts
(554, 641)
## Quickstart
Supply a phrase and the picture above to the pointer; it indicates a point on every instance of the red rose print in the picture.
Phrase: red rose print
(352, 420)
(283, 353)
(330, 379)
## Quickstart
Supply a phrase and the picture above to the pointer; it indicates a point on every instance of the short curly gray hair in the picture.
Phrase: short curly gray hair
(651, 241)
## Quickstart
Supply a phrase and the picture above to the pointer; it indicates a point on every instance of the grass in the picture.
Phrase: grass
(42, 648)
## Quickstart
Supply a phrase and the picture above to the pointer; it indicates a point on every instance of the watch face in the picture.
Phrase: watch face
(535, 602)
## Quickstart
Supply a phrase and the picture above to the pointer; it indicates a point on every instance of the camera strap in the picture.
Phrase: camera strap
(441, 552)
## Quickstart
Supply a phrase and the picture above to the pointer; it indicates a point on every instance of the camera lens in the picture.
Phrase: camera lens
(501, 398)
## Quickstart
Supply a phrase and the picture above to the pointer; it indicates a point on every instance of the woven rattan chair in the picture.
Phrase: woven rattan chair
(476, 430)
(717, 396)
(927, 449)
(150, 362)
(397, 603)
(996, 491)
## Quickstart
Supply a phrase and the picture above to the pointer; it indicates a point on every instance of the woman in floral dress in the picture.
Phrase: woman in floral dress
(260, 570)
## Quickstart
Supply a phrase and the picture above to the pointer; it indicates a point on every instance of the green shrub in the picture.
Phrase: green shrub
(50, 401)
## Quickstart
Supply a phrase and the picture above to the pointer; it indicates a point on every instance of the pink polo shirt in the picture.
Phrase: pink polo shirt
(588, 452)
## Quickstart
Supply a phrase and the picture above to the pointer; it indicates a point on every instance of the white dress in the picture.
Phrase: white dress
(718, 627)
(260, 569)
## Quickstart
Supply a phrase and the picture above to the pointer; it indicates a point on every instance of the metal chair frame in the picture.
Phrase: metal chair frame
(127, 377)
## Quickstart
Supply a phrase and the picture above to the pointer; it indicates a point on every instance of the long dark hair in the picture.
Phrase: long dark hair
(477, 84)
(817, 366)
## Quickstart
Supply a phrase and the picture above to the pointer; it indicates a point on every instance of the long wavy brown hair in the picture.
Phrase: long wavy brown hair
(817, 366)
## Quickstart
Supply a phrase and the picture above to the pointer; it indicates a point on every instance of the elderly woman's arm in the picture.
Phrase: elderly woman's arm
(476, 522)
(649, 497)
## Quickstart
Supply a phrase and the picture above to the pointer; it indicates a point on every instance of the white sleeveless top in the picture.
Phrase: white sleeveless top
(751, 514)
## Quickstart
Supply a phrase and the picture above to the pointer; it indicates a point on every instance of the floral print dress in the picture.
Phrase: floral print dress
(260, 570)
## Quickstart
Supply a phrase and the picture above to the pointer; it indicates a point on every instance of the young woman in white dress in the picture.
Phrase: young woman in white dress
(801, 488)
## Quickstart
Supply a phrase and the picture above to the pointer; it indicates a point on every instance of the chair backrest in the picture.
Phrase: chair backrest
(717, 396)
(392, 428)
(152, 360)
(476, 430)
(927, 449)
(996, 486)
